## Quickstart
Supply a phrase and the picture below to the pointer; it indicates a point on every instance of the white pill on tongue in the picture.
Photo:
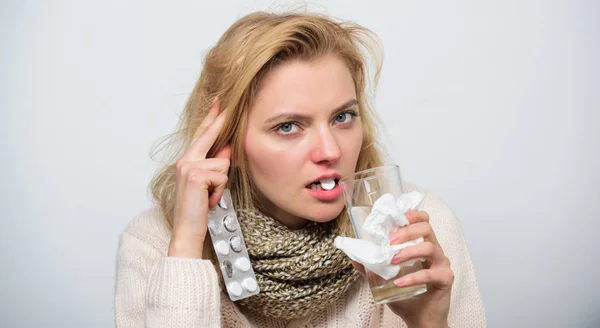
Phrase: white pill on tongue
(327, 184)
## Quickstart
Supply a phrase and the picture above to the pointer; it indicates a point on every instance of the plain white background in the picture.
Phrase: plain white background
(493, 105)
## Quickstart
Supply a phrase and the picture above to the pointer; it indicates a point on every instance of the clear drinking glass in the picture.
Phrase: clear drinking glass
(360, 192)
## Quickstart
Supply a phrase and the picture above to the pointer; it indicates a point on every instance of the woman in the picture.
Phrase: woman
(280, 104)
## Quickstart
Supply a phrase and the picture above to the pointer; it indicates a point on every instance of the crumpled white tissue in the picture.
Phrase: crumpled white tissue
(387, 215)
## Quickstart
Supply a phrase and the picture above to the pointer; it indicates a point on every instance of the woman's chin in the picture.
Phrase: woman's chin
(324, 213)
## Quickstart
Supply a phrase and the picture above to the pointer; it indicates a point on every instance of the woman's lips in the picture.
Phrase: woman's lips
(325, 195)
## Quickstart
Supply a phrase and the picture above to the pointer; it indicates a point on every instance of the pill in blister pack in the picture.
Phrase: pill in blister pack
(231, 251)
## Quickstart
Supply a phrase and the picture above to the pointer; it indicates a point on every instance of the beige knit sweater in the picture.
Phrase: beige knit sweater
(153, 290)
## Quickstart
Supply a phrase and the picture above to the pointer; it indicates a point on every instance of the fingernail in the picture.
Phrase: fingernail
(396, 259)
(394, 237)
(400, 282)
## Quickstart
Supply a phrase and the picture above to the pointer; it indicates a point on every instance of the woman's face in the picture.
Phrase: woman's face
(304, 129)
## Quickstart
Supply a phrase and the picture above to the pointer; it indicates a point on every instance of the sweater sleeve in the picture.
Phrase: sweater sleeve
(466, 306)
(153, 290)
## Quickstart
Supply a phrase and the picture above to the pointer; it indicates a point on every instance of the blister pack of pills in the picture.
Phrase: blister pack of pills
(231, 251)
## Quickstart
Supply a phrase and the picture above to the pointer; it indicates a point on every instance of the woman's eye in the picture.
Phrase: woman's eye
(288, 128)
(343, 117)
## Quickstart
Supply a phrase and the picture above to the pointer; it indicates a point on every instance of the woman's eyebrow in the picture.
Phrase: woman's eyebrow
(345, 106)
(301, 117)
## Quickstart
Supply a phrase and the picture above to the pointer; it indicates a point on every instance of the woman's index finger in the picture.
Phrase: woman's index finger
(200, 147)
(213, 112)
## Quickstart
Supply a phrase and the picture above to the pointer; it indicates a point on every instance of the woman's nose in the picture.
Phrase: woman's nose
(326, 148)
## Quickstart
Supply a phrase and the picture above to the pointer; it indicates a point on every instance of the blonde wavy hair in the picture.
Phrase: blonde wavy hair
(233, 70)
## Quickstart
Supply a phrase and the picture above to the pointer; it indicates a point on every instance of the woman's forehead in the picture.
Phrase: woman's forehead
(306, 87)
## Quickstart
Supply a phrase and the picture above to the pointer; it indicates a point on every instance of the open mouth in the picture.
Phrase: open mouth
(324, 184)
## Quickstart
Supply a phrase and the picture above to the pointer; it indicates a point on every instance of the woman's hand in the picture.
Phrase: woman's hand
(200, 185)
(431, 308)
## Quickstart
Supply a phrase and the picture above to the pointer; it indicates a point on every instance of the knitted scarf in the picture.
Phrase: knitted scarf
(298, 271)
